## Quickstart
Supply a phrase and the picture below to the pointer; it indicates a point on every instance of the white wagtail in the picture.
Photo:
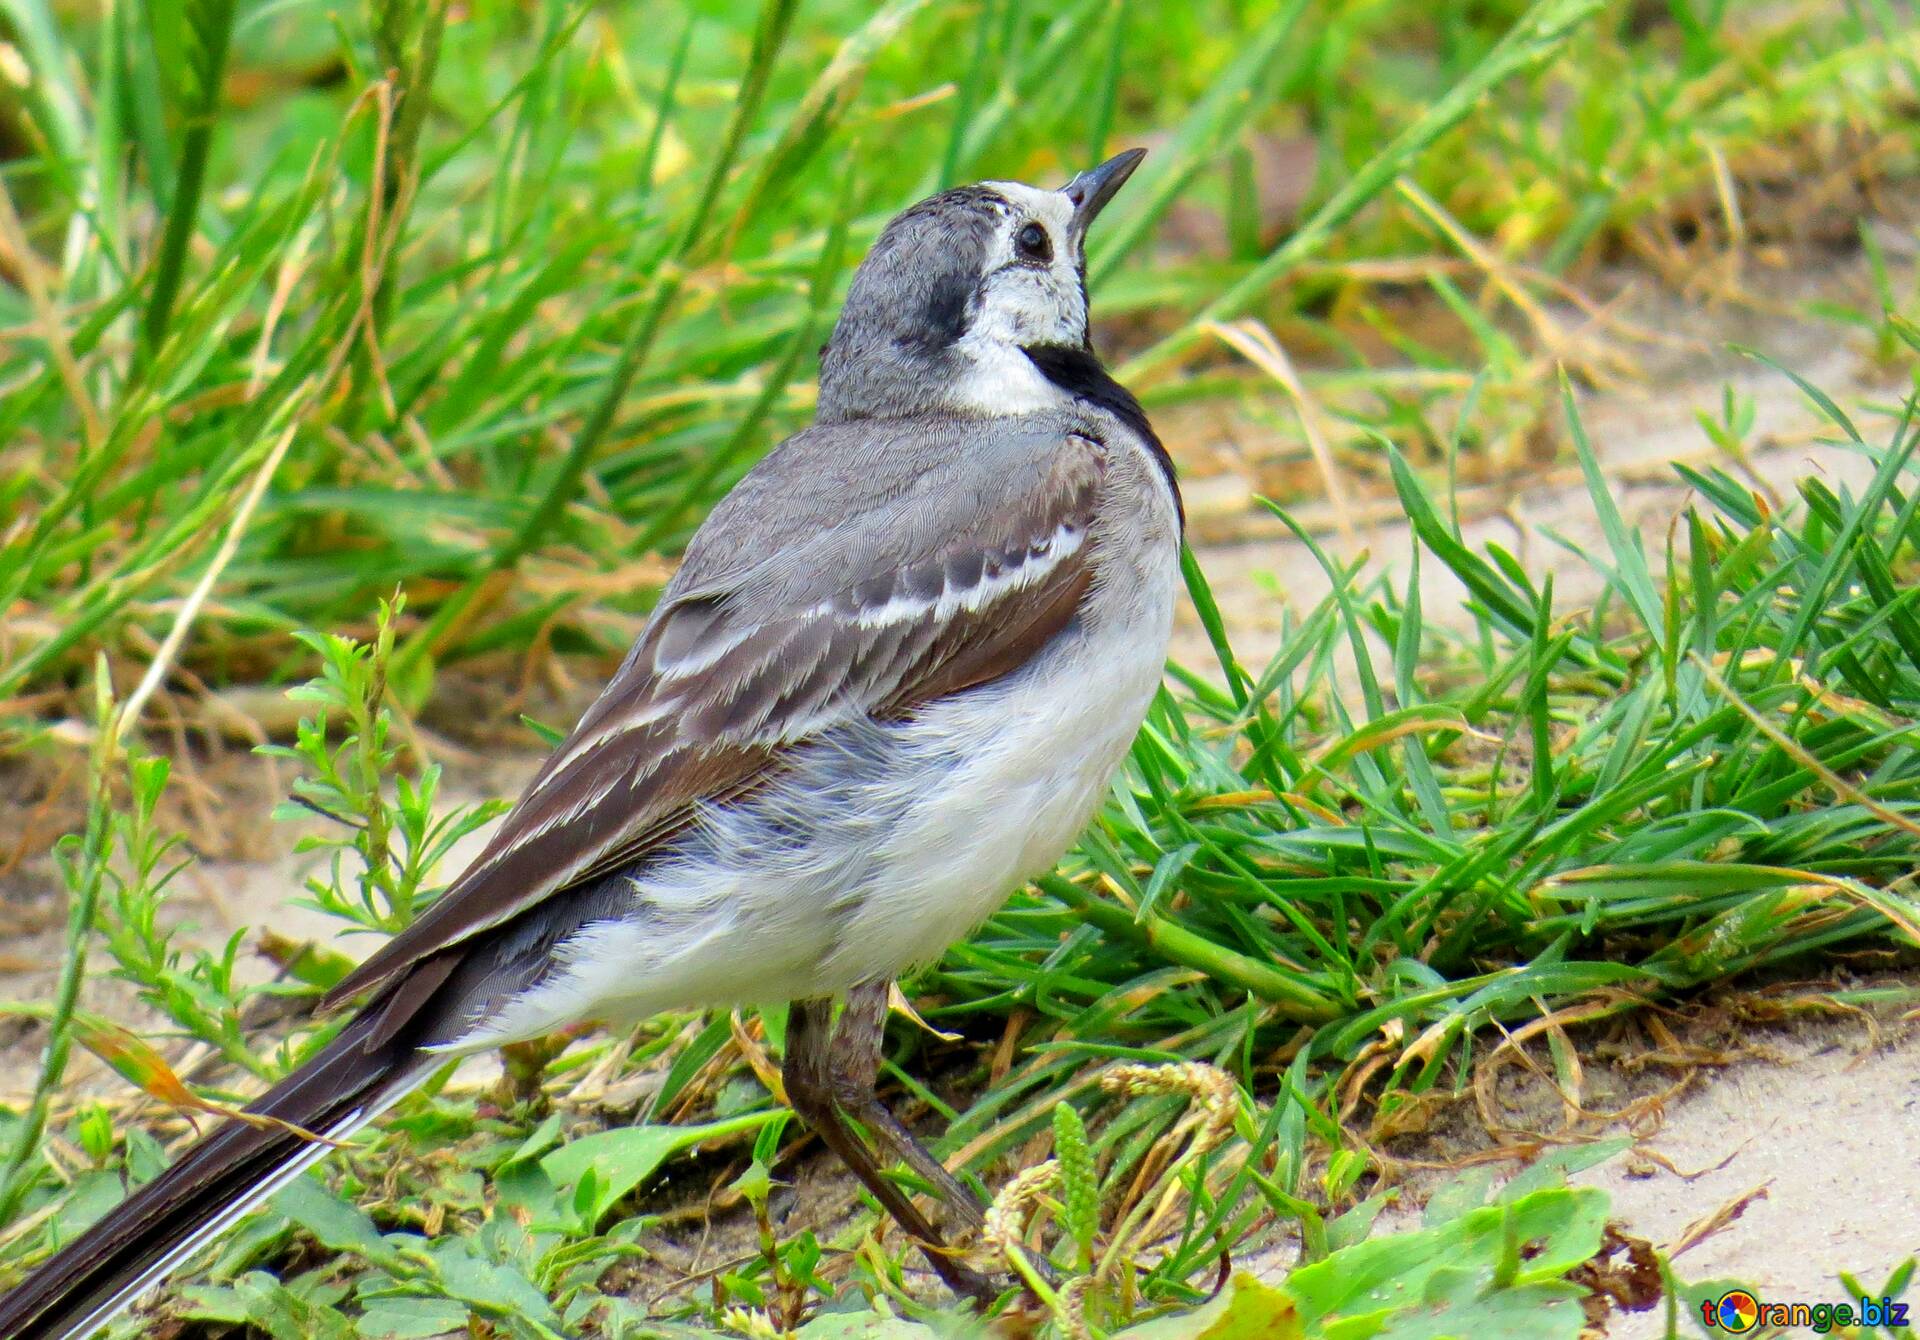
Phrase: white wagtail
(889, 683)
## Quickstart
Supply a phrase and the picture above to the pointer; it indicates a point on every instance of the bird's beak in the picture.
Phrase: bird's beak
(1091, 190)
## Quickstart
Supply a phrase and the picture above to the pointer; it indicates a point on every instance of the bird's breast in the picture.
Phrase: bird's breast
(1013, 772)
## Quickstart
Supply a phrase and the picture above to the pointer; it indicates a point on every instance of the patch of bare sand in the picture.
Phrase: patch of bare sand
(1832, 1134)
(1820, 1117)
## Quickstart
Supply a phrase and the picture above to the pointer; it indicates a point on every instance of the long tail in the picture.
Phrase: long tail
(357, 1076)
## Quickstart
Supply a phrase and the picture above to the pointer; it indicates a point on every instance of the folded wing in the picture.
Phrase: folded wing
(809, 599)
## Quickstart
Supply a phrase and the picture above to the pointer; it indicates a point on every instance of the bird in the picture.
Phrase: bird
(890, 682)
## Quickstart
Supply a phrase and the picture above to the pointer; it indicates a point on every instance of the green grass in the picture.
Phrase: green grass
(488, 305)
(530, 287)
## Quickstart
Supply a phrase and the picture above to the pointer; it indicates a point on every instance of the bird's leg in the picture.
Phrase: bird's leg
(855, 1065)
(809, 1078)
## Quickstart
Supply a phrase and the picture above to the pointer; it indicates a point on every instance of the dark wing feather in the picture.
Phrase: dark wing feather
(762, 643)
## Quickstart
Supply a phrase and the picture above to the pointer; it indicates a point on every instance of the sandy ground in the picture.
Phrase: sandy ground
(1832, 1136)
(1814, 1139)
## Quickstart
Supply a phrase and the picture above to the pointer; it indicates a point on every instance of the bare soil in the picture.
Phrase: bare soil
(1775, 1138)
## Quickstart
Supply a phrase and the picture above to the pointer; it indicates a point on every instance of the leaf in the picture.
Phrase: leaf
(206, 1302)
(877, 1326)
(140, 1064)
(525, 1192)
(1512, 609)
(303, 960)
(550, 736)
(1165, 872)
(1355, 1224)
(1630, 575)
(1553, 1169)
(622, 1159)
(337, 1225)
(717, 1034)
(1458, 1303)
(494, 1289)
(1246, 1309)
(285, 1315)
(539, 1140)
(1457, 1196)
(1534, 1240)
(1384, 729)
(92, 1195)
(412, 1318)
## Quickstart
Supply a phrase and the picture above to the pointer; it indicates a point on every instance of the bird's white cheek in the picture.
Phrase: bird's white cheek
(1072, 306)
(1032, 307)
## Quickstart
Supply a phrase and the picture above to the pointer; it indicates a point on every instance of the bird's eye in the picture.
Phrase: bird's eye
(1032, 244)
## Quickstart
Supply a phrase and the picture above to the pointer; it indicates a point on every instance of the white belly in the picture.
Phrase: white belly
(1041, 749)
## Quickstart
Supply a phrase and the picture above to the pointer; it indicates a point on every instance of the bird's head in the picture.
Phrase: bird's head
(956, 289)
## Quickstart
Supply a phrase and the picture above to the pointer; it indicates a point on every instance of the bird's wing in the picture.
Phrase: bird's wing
(828, 586)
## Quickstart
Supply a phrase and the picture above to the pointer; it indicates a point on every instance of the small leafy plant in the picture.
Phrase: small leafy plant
(394, 839)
